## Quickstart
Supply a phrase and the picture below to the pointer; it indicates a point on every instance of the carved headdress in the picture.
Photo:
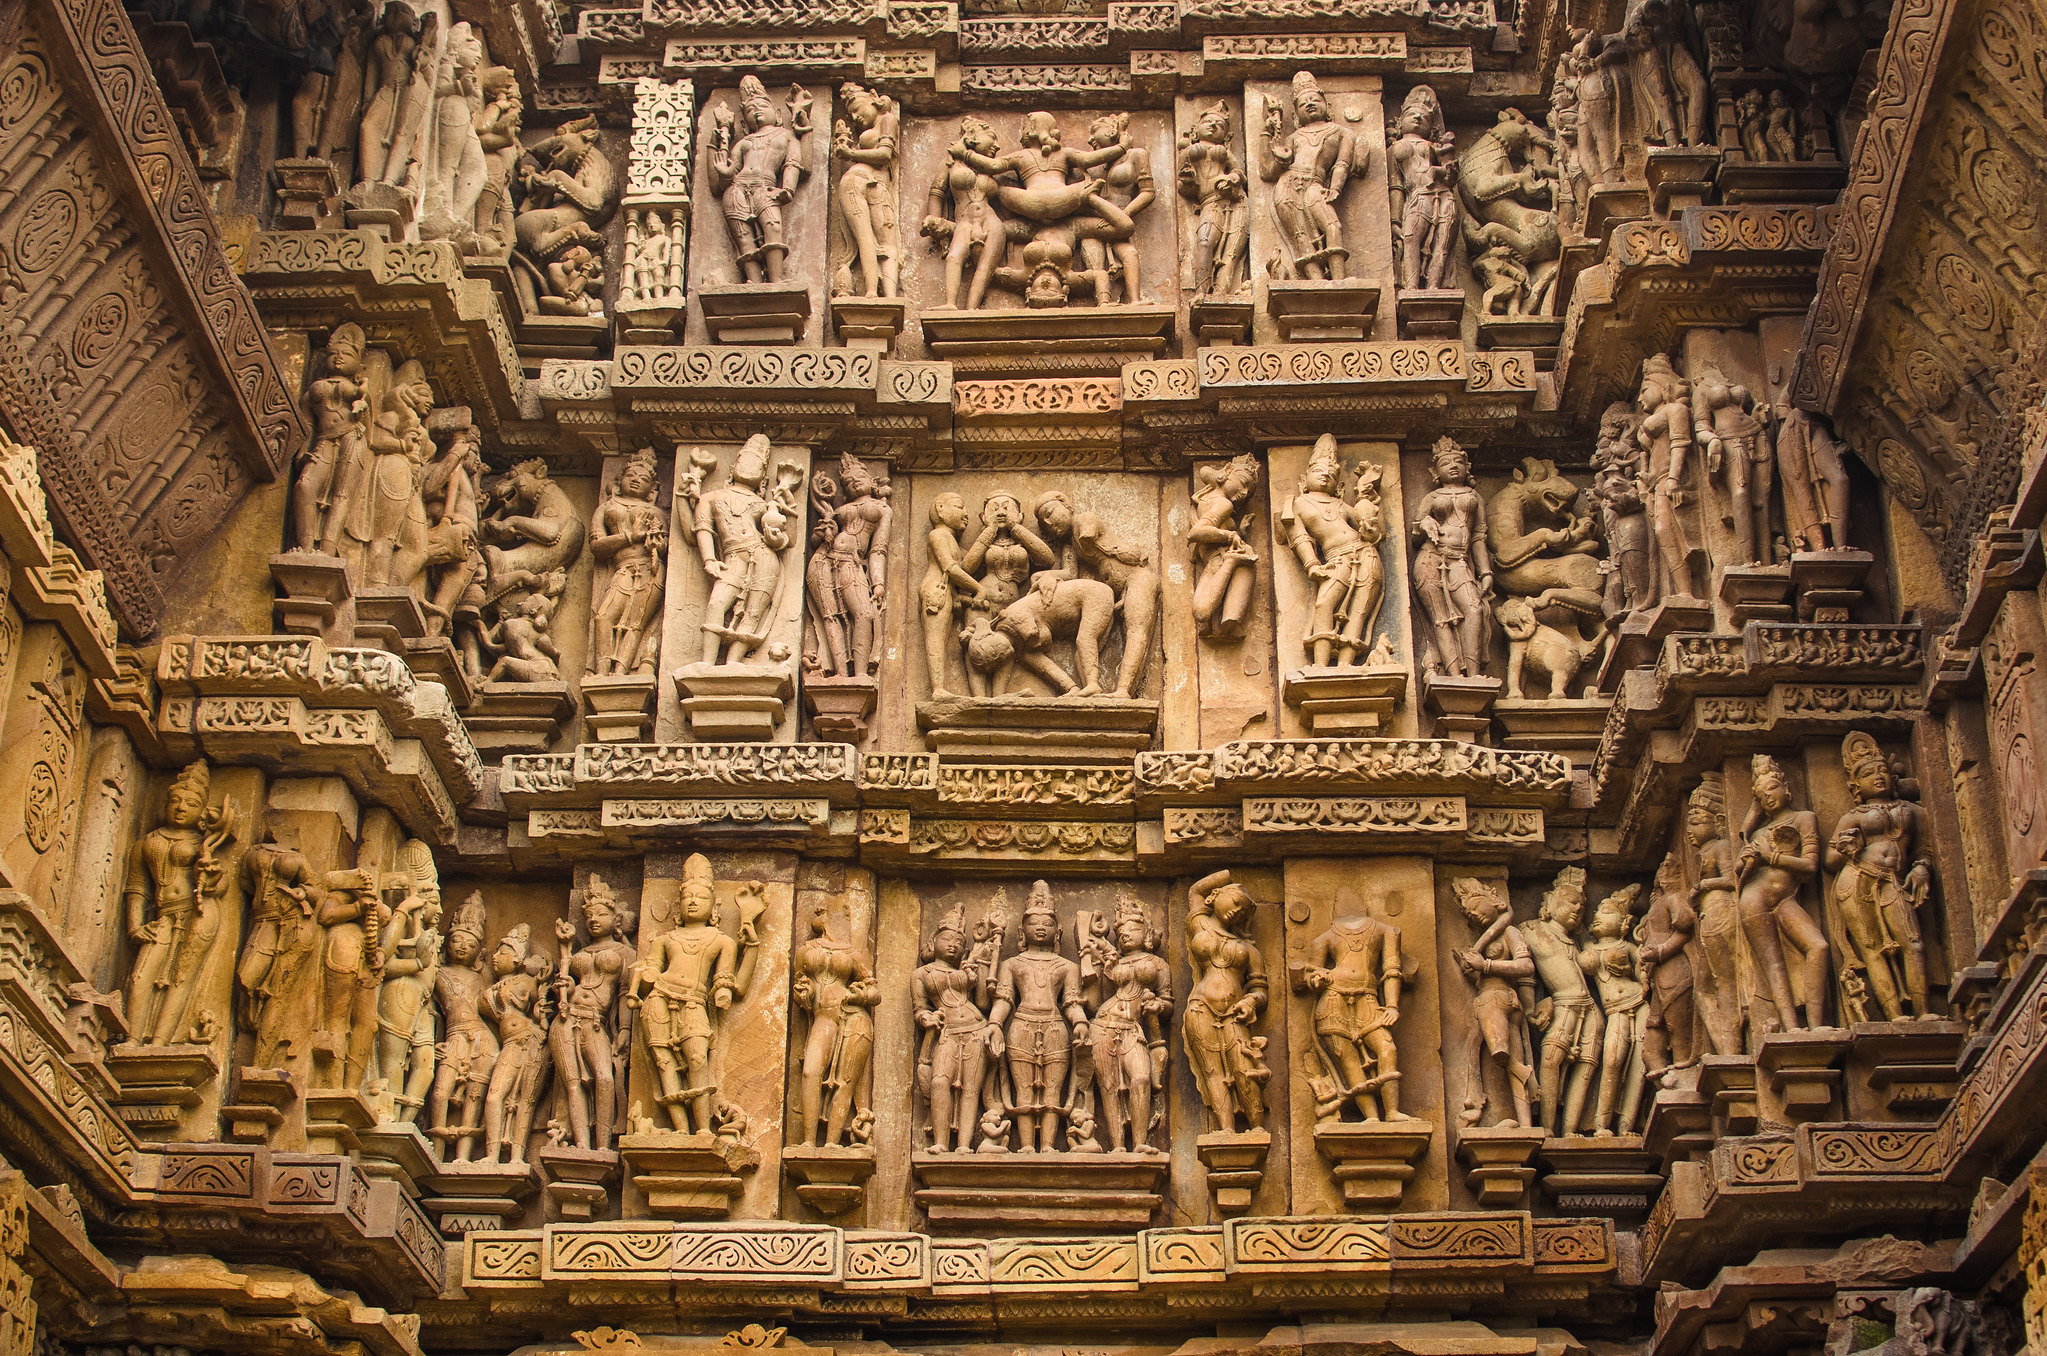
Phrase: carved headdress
(1422, 99)
(518, 941)
(1711, 796)
(1040, 903)
(1569, 880)
(1478, 897)
(750, 467)
(194, 780)
(697, 879)
(1859, 753)
(1656, 369)
(347, 338)
(1305, 87)
(1441, 454)
(642, 460)
(1323, 458)
(469, 918)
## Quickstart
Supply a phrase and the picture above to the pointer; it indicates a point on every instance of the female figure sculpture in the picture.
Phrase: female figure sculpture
(848, 594)
(1614, 963)
(1727, 422)
(1665, 436)
(1452, 570)
(1128, 1036)
(1714, 900)
(1225, 564)
(412, 958)
(1779, 853)
(459, 169)
(592, 1027)
(1666, 968)
(684, 985)
(331, 472)
(1813, 466)
(1881, 880)
(1212, 178)
(1038, 1008)
(513, 1003)
(1005, 552)
(960, 217)
(1337, 543)
(1498, 964)
(271, 978)
(176, 893)
(1126, 186)
(957, 1038)
(469, 1048)
(868, 234)
(834, 986)
(946, 581)
(391, 528)
(1084, 543)
(1229, 996)
(1425, 211)
(630, 530)
(388, 78)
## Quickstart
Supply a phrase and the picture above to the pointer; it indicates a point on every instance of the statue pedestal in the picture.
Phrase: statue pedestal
(1430, 312)
(434, 659)
(1679, 177)
(479, 1197)
(686, 1176)
(830, 1180)
(1800, 1071)
(260, 1100)
(159, 1083)
(517, 717)
(1236, 1165)
(1496, 1161)
(650, 324)
(1538, 333)
(1679, 1127)
(1221, 322)
(578, 1180)
(1320, 310)
(734, 701)
(1756, 592)
(311, 589)
(559, 336)
(384, 210)
(385, 618)
(306, 192)
(1807, 181)
(1463, 707)
(1728, 1082)
(617, 708)
(1345, 701)
(1828, 584)
(1613, 1175)
(1143, 331)
(1907, 1068)
(1640, 637)
(1074, 729)
(1571, 726)
(839, 707)
(754, 313)
(1609, 205)
(400, 1151)
(1373, 1161)
(335, 1120)
(869, 323)
(1039, 1193)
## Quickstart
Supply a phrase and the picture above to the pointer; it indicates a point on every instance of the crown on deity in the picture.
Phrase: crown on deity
(1040, 901)
(1859, 752)
(194, 779)
(953, 919)
(1129, 909)
(1762, 767)
(1304, 84)
(1711, 795)
(349, 336)
(518, 941)
(469, 918)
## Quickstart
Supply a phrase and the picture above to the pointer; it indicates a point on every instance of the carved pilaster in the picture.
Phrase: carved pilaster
(650, 285)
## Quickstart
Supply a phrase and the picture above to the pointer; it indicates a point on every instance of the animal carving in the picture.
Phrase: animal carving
(1531, 641)
(1509, 199)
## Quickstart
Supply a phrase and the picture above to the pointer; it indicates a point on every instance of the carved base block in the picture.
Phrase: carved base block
(560, 336)
(159, 1083)
(1828, 584)
(1728, 1082)
(685, 1176)
(651, 324)
(830, 1180)
(754, 313)
(335, 1120)
(1537, 333)
(1144, 331)
(1756, 592)
(1430, 312)
(311, 589)
(1571, 727)
(306, 192)
(1462, 707)
(1345, 701)
(1219, 322)
(261, 1098)
(1313, 310)
(398, 1150)
(1640, 637)
(383, 209)
(1808, 181)
(1802, 1069)
(734, 701)
(518, 717)
(1610, 1175)
(578, 1180)
(1077, 729)
(870, 323)
(435, 660)
(1236, 1165)
(385, 618)
(1496, 1161)
(1039, 1192)
(839, 707)
(1373, 1160)
(1679, 176)
(617, 708)
(1680, 1122)
(1909, 1067)
(479, 1197)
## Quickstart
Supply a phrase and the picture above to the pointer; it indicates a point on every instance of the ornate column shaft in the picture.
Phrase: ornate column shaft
(650, 285)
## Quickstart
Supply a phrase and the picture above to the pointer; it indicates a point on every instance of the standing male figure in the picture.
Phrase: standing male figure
(740, 537)
(1308, 169)
(757, 174)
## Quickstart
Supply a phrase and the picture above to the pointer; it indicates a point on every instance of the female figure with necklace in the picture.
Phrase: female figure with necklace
(834, 986)
(592, 1030)
(1780, 852)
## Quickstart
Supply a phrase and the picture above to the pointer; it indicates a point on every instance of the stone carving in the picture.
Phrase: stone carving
(755, 171)
(1423, 177)
(532, 537)
(1590, 70)
(498, 123)
(1664, 434)
(961, 218)
(1780, 852)
(847, 578)
(569, 192)
(386, 533)
(740, 530)
(592, 1028)
(1509, 191)
(683, 987)
(1572, 1023)
(1088, 554)
(273, 979)
(835, 988)
(1453, 568)
(457, 169)
(1130, 987)
(946, 584)
(1726, 422)
(451, 496)
(1669, 1040)
(353, 916)
(1614, 963)
(1634, 575)
(1039, 1013)
(513, 1002)
(1501, 971)
(411, 947)
(332, 472)
(1225, 564)
(179, 893)
(393, 76)
(1545, 556)
(1881, 881)
(469, 1048)
(656, 257)
(1228, 998)
(1337, 544)
(1714, 886)
(1353, 974)
(630, 533)
(1309, 168)
(1669, 89)
(867, 248)
(956, 1042)
(1812, 464)
(1212, 178)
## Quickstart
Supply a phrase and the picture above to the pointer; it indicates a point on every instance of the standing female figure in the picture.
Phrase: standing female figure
(1714, 889)
(593, 1028)
(1224, 562)
(514, 1003)
(972, 224)
(1126, 185)
(1780, 852)
(1229, 995)
(946, 581)
(1881, 881)
(1129, 1040)
(952, 1012)
(1452, 570)
(834, 985)
(865, 142)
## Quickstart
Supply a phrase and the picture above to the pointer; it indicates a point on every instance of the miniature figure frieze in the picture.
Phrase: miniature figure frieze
(179, 900)
(1211, 177)
(867, 237)
(1309, 168)
(757, 156)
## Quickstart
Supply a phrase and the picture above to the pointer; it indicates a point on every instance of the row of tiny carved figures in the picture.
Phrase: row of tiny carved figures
(352, 975)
